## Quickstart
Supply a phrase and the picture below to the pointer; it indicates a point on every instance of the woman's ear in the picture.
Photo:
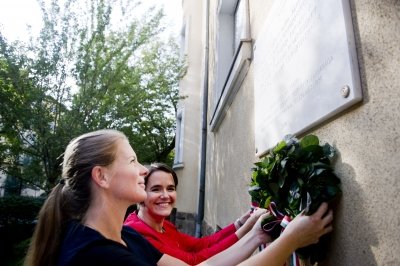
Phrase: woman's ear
(98, 176)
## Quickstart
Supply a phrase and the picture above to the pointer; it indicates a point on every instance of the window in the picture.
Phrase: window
(233, 55)
(239, 23)
(178, 160)
(184, 39)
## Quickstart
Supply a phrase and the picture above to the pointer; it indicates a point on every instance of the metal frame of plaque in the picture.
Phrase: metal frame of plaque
(305, 68)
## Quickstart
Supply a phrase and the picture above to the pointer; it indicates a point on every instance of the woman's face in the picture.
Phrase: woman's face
(161, 194)
(128, 174)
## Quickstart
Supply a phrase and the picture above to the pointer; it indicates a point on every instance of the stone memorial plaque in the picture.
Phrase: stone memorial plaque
(305, 68)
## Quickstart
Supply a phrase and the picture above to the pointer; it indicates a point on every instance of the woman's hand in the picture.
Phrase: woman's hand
(254, 215)
(249, 218)
(302, 231)
(306, 230)
(242, 219)
(257, 228)
(253, 226)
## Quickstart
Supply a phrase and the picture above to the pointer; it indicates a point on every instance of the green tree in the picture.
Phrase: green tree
(89, 69)
(128, 80)
(25, 119)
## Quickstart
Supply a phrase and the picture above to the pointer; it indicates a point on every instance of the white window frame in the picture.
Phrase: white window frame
(232, 63)
(179, 138)
(184, 39)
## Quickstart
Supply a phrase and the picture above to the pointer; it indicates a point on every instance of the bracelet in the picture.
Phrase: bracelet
(239, 222)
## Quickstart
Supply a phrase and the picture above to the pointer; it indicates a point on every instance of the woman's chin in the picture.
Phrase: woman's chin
(164, 212)
(141, 197)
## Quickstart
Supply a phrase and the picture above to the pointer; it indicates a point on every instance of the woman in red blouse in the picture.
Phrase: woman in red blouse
(150, 221)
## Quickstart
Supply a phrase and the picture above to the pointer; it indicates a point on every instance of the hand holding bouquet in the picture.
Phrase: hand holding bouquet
(296, 176)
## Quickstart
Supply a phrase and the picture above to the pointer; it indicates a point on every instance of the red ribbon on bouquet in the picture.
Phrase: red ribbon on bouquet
(281, 220)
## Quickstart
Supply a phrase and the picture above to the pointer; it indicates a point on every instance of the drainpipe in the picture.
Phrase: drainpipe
(202, 177)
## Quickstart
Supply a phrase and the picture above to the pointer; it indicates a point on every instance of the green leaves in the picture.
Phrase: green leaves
(84, 72)
(296, 176)
(309, 140)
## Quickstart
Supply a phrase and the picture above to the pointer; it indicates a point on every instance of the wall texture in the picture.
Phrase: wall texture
(367, 224)
(191, 89)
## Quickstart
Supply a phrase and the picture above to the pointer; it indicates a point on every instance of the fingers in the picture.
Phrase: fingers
(327, 222)
(321, 210)
(259, 212)
(328, 229)
(258, 217)
(256, 225)
(262, 217)
(256, 214)
(328, 218)
(306, 230)
(245, 216)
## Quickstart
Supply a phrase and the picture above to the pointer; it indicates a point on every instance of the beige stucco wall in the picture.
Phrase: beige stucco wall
(367, 223)
(191, 89)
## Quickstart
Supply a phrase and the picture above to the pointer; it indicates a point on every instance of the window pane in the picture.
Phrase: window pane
(239, 23)
(179, 138)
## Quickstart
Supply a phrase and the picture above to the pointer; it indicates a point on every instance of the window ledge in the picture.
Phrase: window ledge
(237, 73)
(178, 166)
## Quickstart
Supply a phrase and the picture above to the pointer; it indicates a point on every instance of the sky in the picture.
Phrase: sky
(16, 14)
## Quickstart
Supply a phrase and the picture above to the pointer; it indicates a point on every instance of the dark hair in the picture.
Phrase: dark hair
(154, 167)
(71, 198)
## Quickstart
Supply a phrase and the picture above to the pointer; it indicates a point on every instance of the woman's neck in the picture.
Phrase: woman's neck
(156, 223)
(106, 219)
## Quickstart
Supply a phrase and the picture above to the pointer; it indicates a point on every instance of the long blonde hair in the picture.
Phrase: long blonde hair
(70, 199)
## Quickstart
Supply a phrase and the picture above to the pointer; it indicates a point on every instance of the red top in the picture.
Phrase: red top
(190, 249)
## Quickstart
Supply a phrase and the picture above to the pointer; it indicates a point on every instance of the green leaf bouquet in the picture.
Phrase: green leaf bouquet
(295, 176)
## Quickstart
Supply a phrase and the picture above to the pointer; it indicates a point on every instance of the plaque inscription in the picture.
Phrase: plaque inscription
(304, 55)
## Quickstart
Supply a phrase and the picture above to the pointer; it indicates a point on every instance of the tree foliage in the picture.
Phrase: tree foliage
(96, 64)
(295, 176)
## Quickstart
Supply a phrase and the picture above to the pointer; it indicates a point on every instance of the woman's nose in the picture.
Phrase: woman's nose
(143, 171)
(164, 193)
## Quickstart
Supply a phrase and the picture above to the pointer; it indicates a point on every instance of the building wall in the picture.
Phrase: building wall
(367, 137)
(191, 89)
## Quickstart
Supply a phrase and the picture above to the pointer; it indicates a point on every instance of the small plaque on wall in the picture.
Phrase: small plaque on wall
(305, 68)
